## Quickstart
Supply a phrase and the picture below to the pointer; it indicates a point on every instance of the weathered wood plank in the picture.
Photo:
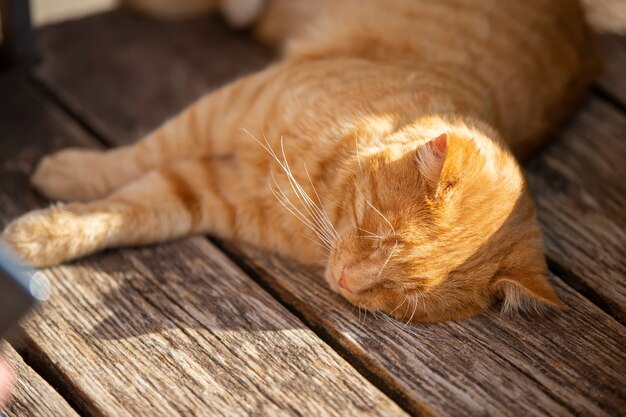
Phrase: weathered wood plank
(32, 395)
(569, 363)
(181, 60)
(578, 184)
(171, 330)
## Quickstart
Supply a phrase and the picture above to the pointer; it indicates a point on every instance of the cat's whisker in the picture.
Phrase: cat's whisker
(381, 215)
(399, 304)
(360, 320)
(393, 251)
(324, 235)
(326, 223)
(326, 249)
(393, 229)
(412, 331)
(413, 314)
(395, 324)
(358, 158)
(306, 200)
(284, 166)
(420, 296)
(321, 208)
(398, 324)
(373, 238)
(370, 233)
(267, 148)
(363, 319)
(282, 198)
(326, 245)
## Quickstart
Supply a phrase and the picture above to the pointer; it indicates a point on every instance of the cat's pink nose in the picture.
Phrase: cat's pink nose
(343, 281)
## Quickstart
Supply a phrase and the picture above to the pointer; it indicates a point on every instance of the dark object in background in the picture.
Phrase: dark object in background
(18, 38)
(20, 288)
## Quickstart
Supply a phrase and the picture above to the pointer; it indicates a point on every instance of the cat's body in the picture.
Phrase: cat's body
(388, 116)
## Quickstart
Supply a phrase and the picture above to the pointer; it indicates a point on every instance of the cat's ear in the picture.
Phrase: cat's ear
(530, 293)
(431, 157)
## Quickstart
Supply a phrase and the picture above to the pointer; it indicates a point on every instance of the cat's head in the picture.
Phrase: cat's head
(441, 230)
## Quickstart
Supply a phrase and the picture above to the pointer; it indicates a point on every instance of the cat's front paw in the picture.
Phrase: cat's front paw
(71, 175)
(35, 238)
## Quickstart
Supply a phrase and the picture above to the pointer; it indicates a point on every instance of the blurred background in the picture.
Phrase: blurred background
(50, 11)
(609, 15)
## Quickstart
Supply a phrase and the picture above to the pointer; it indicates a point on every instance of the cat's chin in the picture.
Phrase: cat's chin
(332, 275)
(329, 276)
(333, 278)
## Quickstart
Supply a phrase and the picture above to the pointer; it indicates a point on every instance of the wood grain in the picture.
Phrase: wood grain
(173, 330)
(570, 363)
(579, 188)
(180, 61)
(32, 395)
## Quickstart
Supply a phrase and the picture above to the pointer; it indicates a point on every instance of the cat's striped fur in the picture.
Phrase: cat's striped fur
(379, 144)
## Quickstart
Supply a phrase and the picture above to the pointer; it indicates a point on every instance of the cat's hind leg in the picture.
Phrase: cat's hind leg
(170, 202)
(204, 129)
(79, 174)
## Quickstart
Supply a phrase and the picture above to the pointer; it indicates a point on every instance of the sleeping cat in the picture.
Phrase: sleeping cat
(382, 143)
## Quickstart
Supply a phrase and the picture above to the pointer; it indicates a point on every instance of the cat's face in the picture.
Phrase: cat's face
(439, 233)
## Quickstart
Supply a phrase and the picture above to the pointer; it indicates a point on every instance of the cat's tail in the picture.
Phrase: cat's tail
(239, 13)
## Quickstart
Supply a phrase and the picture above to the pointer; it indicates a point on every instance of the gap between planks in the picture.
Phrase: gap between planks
(33, 394)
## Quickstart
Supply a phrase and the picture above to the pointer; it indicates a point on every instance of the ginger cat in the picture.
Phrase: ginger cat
(383, 143)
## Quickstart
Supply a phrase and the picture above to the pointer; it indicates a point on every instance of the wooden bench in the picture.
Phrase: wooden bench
(201, 327)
